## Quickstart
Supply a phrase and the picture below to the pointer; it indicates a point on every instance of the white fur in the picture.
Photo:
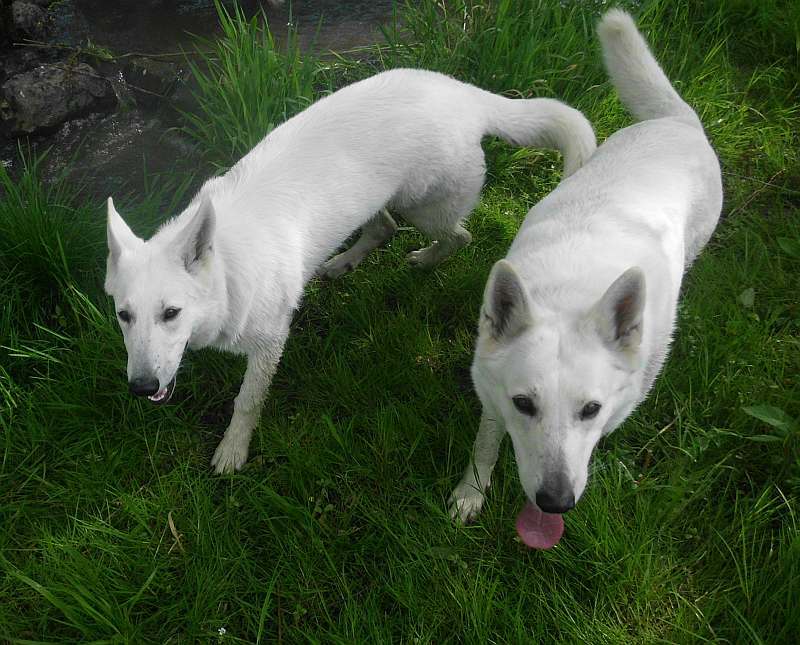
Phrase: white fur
(583, 307)
(405, 138)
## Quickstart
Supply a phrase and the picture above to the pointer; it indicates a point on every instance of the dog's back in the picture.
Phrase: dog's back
(648, 94)
(641, 178)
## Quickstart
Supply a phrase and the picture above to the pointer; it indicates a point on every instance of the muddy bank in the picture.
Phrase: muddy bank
(101, 85)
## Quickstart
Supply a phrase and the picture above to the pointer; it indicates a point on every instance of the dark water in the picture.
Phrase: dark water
(121, 152)
(159, 26)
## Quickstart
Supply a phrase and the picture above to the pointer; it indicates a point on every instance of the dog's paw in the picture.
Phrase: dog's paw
(465, 503)
(426, 258)
(336, 267)
(230, 455)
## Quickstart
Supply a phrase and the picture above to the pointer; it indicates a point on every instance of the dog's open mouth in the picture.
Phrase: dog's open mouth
(165, 393)
(537, 529)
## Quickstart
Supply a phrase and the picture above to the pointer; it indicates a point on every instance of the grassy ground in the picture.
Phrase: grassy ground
(114, 529)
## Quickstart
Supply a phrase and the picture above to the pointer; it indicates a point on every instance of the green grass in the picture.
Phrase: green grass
(336, 531)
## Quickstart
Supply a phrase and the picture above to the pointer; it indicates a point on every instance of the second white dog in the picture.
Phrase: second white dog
(229, 271)
(577, 320)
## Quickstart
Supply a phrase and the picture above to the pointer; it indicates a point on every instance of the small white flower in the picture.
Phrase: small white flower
(222, 631)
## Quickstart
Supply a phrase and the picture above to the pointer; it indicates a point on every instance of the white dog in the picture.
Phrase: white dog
(577, 320)
(229, 271)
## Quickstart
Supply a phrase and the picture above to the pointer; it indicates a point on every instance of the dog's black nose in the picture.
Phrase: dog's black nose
(555, 501)
(143, 386)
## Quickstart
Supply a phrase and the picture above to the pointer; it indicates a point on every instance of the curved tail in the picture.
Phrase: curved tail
(544, 123)
(642, 85)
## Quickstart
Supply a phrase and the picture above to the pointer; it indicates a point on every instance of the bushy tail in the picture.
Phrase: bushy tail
(543, 123)
(642, 86)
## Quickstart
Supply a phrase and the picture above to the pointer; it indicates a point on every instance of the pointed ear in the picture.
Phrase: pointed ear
(196, 241)
(120, 237)
(619, 313)
(506, 311)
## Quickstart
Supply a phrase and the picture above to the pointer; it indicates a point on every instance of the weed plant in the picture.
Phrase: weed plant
(246, 84)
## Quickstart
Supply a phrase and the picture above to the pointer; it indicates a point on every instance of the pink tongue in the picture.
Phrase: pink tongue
(539, 530)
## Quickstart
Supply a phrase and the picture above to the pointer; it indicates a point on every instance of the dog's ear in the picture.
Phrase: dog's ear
(120, 237)
(196, 241)
(506, 311)
(619, 313)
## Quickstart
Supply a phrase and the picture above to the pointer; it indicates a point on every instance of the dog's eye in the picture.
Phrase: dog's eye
(524, 405)
(171, 312)
(590, 410)
(124, 316)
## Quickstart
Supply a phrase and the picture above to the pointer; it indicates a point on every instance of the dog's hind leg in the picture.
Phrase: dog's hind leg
(441, 221)
(467, 499)
(440, 248)
(374, 233)
(231, 453)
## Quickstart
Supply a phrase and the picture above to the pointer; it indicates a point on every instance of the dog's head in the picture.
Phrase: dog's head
(557, 381)
(158, 287)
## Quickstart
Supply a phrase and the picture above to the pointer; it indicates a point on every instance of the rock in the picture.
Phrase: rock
(149, 79)
(30, 21)
(42, 99)
(18, 60)
(68, 25)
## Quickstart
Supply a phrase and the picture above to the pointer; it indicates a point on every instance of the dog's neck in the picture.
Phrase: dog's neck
(211, 326)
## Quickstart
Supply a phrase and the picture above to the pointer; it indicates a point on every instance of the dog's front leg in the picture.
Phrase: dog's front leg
(467, 498)
(231, 452)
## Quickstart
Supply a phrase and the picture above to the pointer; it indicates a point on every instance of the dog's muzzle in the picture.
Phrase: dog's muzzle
(165, 393)
(149, 387)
